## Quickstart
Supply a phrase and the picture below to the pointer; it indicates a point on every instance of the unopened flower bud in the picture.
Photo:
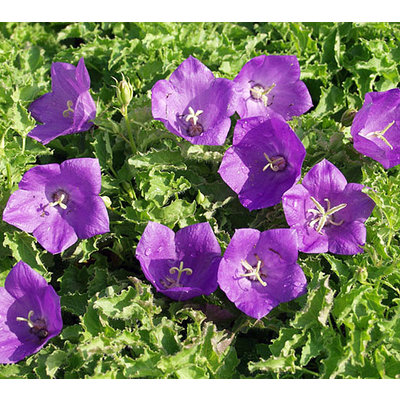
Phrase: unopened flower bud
(124, 92)
(347, 117)
(362, 274)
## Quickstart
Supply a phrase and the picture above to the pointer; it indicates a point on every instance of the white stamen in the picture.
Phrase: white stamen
(322, 216)
(380, 134)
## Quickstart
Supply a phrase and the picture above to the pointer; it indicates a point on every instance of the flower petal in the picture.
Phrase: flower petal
(23, 280)
(47, 108)
(55, 234)
(191, 77)
(46, 133)
(25, 209)
(84, 112)
(37, 177)
(90, 218)
(323, 180)
(196, 240)
(8, 340)
(63, 81)
(82, 75)
(157, 243)
(359, 205)
(348, 238)
(84, 173)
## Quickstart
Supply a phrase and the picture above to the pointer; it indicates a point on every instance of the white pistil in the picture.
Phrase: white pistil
(273, 164)
(59, 202)
(258, 92)
(180, 271)
(254, 271)
(69, 109)
(380, 134)
(322, 216)
(27, 320)
(193, 115)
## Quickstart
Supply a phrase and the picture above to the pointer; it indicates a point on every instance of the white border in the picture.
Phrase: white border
(201, 10)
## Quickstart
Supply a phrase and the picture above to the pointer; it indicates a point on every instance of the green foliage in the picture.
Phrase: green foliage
(115, 324)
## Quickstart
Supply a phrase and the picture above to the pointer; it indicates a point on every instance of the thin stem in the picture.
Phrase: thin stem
(23, 143)
(129, 130)
(9, 181)
(307, 371)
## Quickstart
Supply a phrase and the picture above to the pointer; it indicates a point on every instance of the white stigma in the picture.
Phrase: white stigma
(193, 115)
(274, 163)
(254, 271)
(59, 202)
(258, 92)
(27, 320)
(69, 109)
(180, 271)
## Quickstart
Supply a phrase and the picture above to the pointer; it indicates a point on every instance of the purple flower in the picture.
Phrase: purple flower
(272, 83)
(264, 161)
(259, 271)
(376, 127)
(181, 265)
(68, 108)
(328, 213)
(30, 314)
(194, 104)
(59, 203)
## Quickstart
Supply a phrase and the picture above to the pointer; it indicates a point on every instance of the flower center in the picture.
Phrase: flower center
(322, 216)
(380, 134)
(276, 163)
(259, 92)
(60, 198)
(37, 327)
(170, 282)
(193, 116)
(66, 113)
(194, 128)
(254, 272)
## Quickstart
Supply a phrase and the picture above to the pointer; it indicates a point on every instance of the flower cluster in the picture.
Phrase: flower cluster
(325, 213)
(59, 203)
(196, 106)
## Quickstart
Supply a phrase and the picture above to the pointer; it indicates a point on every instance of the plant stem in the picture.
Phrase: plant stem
(9, 181)
(23, 143)
(129, 130)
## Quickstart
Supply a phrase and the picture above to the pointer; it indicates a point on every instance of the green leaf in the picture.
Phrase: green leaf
(23, 247)
(319, 303)
(54, 362)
